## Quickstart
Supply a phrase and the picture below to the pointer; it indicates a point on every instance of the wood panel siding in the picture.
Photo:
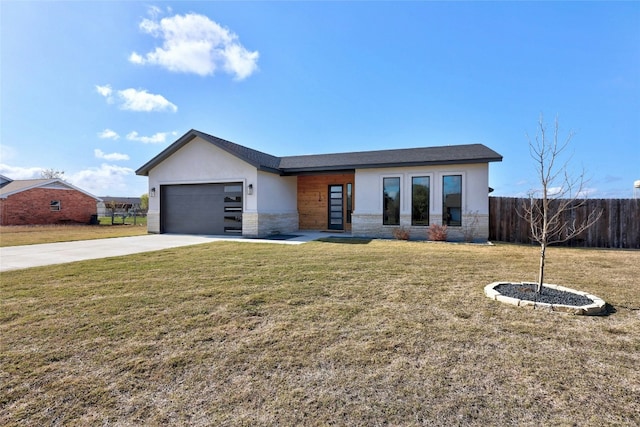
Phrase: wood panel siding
(313, 194)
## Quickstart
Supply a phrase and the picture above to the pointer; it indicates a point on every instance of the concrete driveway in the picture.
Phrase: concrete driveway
(19, 257)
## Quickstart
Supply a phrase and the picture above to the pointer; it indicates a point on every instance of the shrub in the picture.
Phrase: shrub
(437, 232)
(401, 233)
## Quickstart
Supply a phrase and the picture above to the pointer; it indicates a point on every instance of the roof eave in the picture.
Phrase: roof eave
(188, 137)
(268, 169)
(166, 153)
(352, 167)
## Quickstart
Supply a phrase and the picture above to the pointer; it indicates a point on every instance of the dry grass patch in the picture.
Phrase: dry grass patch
(389, 332)
(16, 235)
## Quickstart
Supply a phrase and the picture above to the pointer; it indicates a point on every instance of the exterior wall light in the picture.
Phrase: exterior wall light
(152, 193)
(250, 189)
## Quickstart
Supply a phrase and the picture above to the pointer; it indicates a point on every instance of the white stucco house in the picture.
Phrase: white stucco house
(202, 184)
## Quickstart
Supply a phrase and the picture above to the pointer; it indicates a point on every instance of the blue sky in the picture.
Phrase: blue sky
(96, 89)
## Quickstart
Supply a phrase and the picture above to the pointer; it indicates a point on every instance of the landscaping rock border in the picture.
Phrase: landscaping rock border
(596, 307)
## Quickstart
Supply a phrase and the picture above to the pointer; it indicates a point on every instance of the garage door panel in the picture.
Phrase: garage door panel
(202, 208)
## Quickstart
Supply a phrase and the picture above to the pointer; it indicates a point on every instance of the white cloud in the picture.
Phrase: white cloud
(588, 192)
(137, 99)
(193, 43)
(107, 179)
(136, 59)
(105, 90)
(141, 100)
(155, 11)
(16, 172)
(108, 134)
(113, 156)
(555, 191)
(239, 62)
(157, 138)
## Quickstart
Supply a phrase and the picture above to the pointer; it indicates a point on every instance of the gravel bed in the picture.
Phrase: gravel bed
(527, 291)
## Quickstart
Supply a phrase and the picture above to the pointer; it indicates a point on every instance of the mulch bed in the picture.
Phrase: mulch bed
(527, 291)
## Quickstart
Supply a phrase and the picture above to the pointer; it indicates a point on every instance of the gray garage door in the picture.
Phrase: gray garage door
(201, 208)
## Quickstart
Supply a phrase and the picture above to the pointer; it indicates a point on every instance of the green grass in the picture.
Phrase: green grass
(379, 333)
(35, 234)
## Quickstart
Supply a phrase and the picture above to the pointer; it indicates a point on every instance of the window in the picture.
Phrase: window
(391, 203)
(420, 200)
(452, 200)
(233, 188)
(233, 208)
(336, 209)
(54, 205)
(349, 202)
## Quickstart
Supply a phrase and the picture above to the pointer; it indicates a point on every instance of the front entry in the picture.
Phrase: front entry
(320, 198)
(336, 208)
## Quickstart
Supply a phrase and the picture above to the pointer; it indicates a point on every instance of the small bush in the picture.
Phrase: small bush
(401, 233)
(437, 232)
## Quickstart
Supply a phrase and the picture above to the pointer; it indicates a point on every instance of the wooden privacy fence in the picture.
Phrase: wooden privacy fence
(618, 226)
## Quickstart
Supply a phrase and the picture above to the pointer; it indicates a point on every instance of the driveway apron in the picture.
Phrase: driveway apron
(19, 257)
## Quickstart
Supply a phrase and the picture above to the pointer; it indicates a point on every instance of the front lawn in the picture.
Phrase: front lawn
(13, 235)
(379, 333)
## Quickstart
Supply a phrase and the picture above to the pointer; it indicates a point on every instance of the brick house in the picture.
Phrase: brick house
(44, 201)
(202, 184)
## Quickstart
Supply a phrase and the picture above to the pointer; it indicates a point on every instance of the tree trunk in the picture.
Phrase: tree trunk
(543, 249)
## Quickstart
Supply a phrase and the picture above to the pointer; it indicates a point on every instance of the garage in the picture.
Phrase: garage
(201, 208)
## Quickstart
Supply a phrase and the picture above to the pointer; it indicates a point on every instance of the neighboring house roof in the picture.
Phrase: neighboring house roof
(4, 180)
(122, 200)
(20, 185)
(451, 154)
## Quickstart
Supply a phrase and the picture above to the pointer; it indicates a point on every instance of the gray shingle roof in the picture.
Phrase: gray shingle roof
(473, 153)
(451, 154)
(260, 160)
(20, 185)
(123, 200)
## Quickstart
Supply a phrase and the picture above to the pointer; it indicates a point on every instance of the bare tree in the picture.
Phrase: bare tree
(549, 209)
(51, 174)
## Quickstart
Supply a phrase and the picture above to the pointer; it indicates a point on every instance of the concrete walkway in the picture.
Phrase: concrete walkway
(19, 257)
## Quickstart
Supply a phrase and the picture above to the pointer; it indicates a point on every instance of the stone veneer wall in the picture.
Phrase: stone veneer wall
(263, 224)
(153, 222)
(370, 225)
(253, 224)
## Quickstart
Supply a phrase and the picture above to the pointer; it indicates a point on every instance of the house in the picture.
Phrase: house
(202, 184)
(44, 201)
